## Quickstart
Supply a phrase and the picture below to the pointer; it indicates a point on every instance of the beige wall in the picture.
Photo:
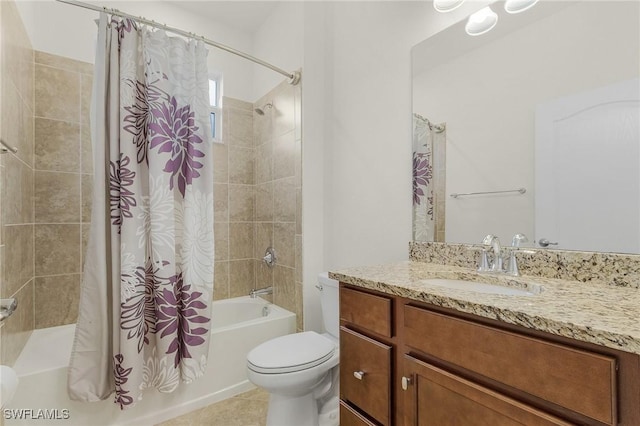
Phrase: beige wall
(62, 167)
(258, 198)
(16, 181)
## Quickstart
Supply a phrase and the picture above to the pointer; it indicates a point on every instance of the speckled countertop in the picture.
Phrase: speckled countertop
(593, 312)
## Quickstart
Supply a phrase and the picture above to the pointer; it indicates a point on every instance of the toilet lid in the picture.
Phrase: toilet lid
(293, 352)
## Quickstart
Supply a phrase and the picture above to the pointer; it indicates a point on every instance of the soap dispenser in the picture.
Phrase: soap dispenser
(513, 262)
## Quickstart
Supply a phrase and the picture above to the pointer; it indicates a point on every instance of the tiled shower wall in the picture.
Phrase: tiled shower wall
(257, 186)
(16, 181)
(257, 175)
(62, 170)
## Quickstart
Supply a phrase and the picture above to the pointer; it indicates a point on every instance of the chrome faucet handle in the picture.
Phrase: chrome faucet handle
(517, 239)
(512, 268)
(483, 264)
(494, 243)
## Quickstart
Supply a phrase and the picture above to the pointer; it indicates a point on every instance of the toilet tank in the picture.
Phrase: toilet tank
(329, 303)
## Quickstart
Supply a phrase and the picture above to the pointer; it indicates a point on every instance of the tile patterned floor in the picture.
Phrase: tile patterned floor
(246, 409)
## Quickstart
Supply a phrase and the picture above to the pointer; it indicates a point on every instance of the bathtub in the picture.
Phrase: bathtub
(238, 325)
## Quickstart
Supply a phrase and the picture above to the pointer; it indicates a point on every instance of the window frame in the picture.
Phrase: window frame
(216, 109)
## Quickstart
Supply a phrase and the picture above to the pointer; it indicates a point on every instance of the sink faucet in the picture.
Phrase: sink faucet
(513, 261)
(260, 292)
(494, 243)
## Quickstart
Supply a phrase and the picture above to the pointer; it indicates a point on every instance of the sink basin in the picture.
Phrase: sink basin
(481, 287)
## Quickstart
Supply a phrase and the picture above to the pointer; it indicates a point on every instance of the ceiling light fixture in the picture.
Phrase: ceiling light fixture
(447, 5)
(481, 22)
(517, 6)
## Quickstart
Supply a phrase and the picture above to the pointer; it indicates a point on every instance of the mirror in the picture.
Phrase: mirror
(541, 117)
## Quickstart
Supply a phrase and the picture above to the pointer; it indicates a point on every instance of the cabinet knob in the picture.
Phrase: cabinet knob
(358, 375)
(406, 382)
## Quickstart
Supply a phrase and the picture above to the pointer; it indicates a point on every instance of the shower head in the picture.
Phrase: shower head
(261, 110)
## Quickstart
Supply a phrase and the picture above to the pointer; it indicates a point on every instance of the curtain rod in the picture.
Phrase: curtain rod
(294, 77)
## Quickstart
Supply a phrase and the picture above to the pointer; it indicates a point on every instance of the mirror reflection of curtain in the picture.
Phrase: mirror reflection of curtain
(428, 179)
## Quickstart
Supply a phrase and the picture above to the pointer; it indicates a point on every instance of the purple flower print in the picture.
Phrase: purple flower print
(138, 313)
(121, 376)
(139, 115)
(173, 130)
(121, 199)
(178, 317)
(422, 174)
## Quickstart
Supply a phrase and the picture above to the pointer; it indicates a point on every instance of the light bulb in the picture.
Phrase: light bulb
(447, 5)
(517, 6)
(481, 22)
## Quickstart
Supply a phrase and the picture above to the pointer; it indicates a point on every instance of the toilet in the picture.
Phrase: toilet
(300, 371)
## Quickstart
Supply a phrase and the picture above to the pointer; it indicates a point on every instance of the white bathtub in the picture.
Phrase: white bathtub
(238, 325)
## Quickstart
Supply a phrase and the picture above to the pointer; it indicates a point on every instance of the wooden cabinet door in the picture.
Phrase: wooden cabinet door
(365, 374)
(436, 397)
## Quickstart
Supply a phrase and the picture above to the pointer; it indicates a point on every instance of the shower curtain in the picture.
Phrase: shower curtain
(423, 180)
(148, 277)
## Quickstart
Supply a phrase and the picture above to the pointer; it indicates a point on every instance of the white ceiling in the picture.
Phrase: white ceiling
(243, 15)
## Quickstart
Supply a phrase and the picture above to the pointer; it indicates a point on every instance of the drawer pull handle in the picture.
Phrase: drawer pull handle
(406, 382)
(358, 375)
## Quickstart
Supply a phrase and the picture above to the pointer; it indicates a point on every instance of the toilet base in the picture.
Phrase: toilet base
(292, 411)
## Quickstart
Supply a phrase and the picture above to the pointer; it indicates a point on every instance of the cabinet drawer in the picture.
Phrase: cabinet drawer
(365, 374)
(349, 417)
(442, 398)
(581, 381)
(366, 310)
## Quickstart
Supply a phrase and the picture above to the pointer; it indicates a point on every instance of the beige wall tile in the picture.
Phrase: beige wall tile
(284, 111)
(240, 241)
(299, 309)
(17, 328)
(298, 210)
(264, 202)
(16, 122)
(228, 102)
(220, 280)
(284, 151)
(220, 202)
(298, 162)
(87, 197)
(62, 62)
(86, 231)
(298, 256)
(57, 145)
(242, 202)
(298, 111)
(17, 195)
(284, 291)
(57, 94)
(262, 126)
(86, 150)
(56, 300)
(57, 197)
(220, 163)
(86, 86)
(57, 249)
(221, 240)
(264, 274)
(284, 206)
(264, 162)
(263, 239)
(241, 277)
(284, 243)
(18, 258)
(241, 166)
(239, 127)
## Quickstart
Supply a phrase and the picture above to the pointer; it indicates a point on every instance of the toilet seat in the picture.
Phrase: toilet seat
(291, 353)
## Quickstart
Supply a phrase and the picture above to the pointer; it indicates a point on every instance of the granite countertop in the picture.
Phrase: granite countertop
(594, 312)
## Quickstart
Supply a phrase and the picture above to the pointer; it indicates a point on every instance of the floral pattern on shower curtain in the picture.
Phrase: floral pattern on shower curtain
(145, 315)
(423, 199)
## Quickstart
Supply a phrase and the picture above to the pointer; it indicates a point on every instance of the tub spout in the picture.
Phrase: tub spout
(260, 292)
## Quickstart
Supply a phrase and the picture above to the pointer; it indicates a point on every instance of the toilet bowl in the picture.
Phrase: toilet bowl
(300, 371)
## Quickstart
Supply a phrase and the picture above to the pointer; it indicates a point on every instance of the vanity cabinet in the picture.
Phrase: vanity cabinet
(442, 398)
(405, 362)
